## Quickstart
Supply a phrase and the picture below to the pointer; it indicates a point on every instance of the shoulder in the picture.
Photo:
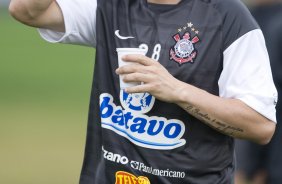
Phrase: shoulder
(231, 8)
(236, 19)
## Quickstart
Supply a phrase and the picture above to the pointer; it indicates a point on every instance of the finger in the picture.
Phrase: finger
(137, 58)
(143, 88)
(137, 77)
(133, 68)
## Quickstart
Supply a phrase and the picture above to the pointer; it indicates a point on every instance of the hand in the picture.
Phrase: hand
(155, 79)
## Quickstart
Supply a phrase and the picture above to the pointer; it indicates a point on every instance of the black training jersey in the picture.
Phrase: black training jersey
(214, 45)
(135, 138)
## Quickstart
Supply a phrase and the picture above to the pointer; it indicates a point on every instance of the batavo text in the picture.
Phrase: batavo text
(150, 132)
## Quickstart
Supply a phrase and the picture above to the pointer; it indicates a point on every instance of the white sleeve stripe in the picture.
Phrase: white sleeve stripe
(59, 37)
(80, 23)
(255, 31)
(252, 102)
(247, 75)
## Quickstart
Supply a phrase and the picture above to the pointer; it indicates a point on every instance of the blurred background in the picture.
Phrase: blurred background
(44, 97)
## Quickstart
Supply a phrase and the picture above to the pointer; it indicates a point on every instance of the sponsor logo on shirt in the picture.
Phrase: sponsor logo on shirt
(123, 177)
(146, 131)
(157, 172)
(136, 165)
(138, 102)
(114, 157)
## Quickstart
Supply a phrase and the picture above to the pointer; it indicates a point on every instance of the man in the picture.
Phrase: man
(206, 73)
(256, 163)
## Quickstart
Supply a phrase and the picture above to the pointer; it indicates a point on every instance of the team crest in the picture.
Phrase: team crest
(184, 50)
(138, 102)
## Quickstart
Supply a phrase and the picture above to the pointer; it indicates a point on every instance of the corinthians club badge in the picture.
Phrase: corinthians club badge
(184, 50)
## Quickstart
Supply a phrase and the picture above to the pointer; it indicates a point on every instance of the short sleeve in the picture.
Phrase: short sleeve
(246, 73)
(80, 23)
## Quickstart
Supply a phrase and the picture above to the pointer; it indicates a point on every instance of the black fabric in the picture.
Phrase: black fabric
(157, 8)
(127, 141)
(237, 20)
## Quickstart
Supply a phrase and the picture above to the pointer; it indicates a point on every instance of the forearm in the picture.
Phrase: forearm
(228, 116)
(38, 13)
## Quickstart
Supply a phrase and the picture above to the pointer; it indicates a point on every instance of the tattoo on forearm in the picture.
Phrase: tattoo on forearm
(214, 123)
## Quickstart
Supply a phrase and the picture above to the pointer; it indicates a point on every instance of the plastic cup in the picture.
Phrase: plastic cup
(125, 51)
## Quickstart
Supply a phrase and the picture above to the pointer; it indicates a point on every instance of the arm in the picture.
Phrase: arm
(228, 116)
(38, 13)
(61, 21)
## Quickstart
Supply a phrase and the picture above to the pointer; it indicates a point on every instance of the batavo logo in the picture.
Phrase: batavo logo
(127, 178)
(150, 132)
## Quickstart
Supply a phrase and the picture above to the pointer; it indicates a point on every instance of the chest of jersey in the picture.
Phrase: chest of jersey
(185, 41)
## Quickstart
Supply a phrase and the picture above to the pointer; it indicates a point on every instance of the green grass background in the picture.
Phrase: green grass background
(44, 97)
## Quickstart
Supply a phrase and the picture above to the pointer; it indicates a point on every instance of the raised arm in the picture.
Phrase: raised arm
(38, 13)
